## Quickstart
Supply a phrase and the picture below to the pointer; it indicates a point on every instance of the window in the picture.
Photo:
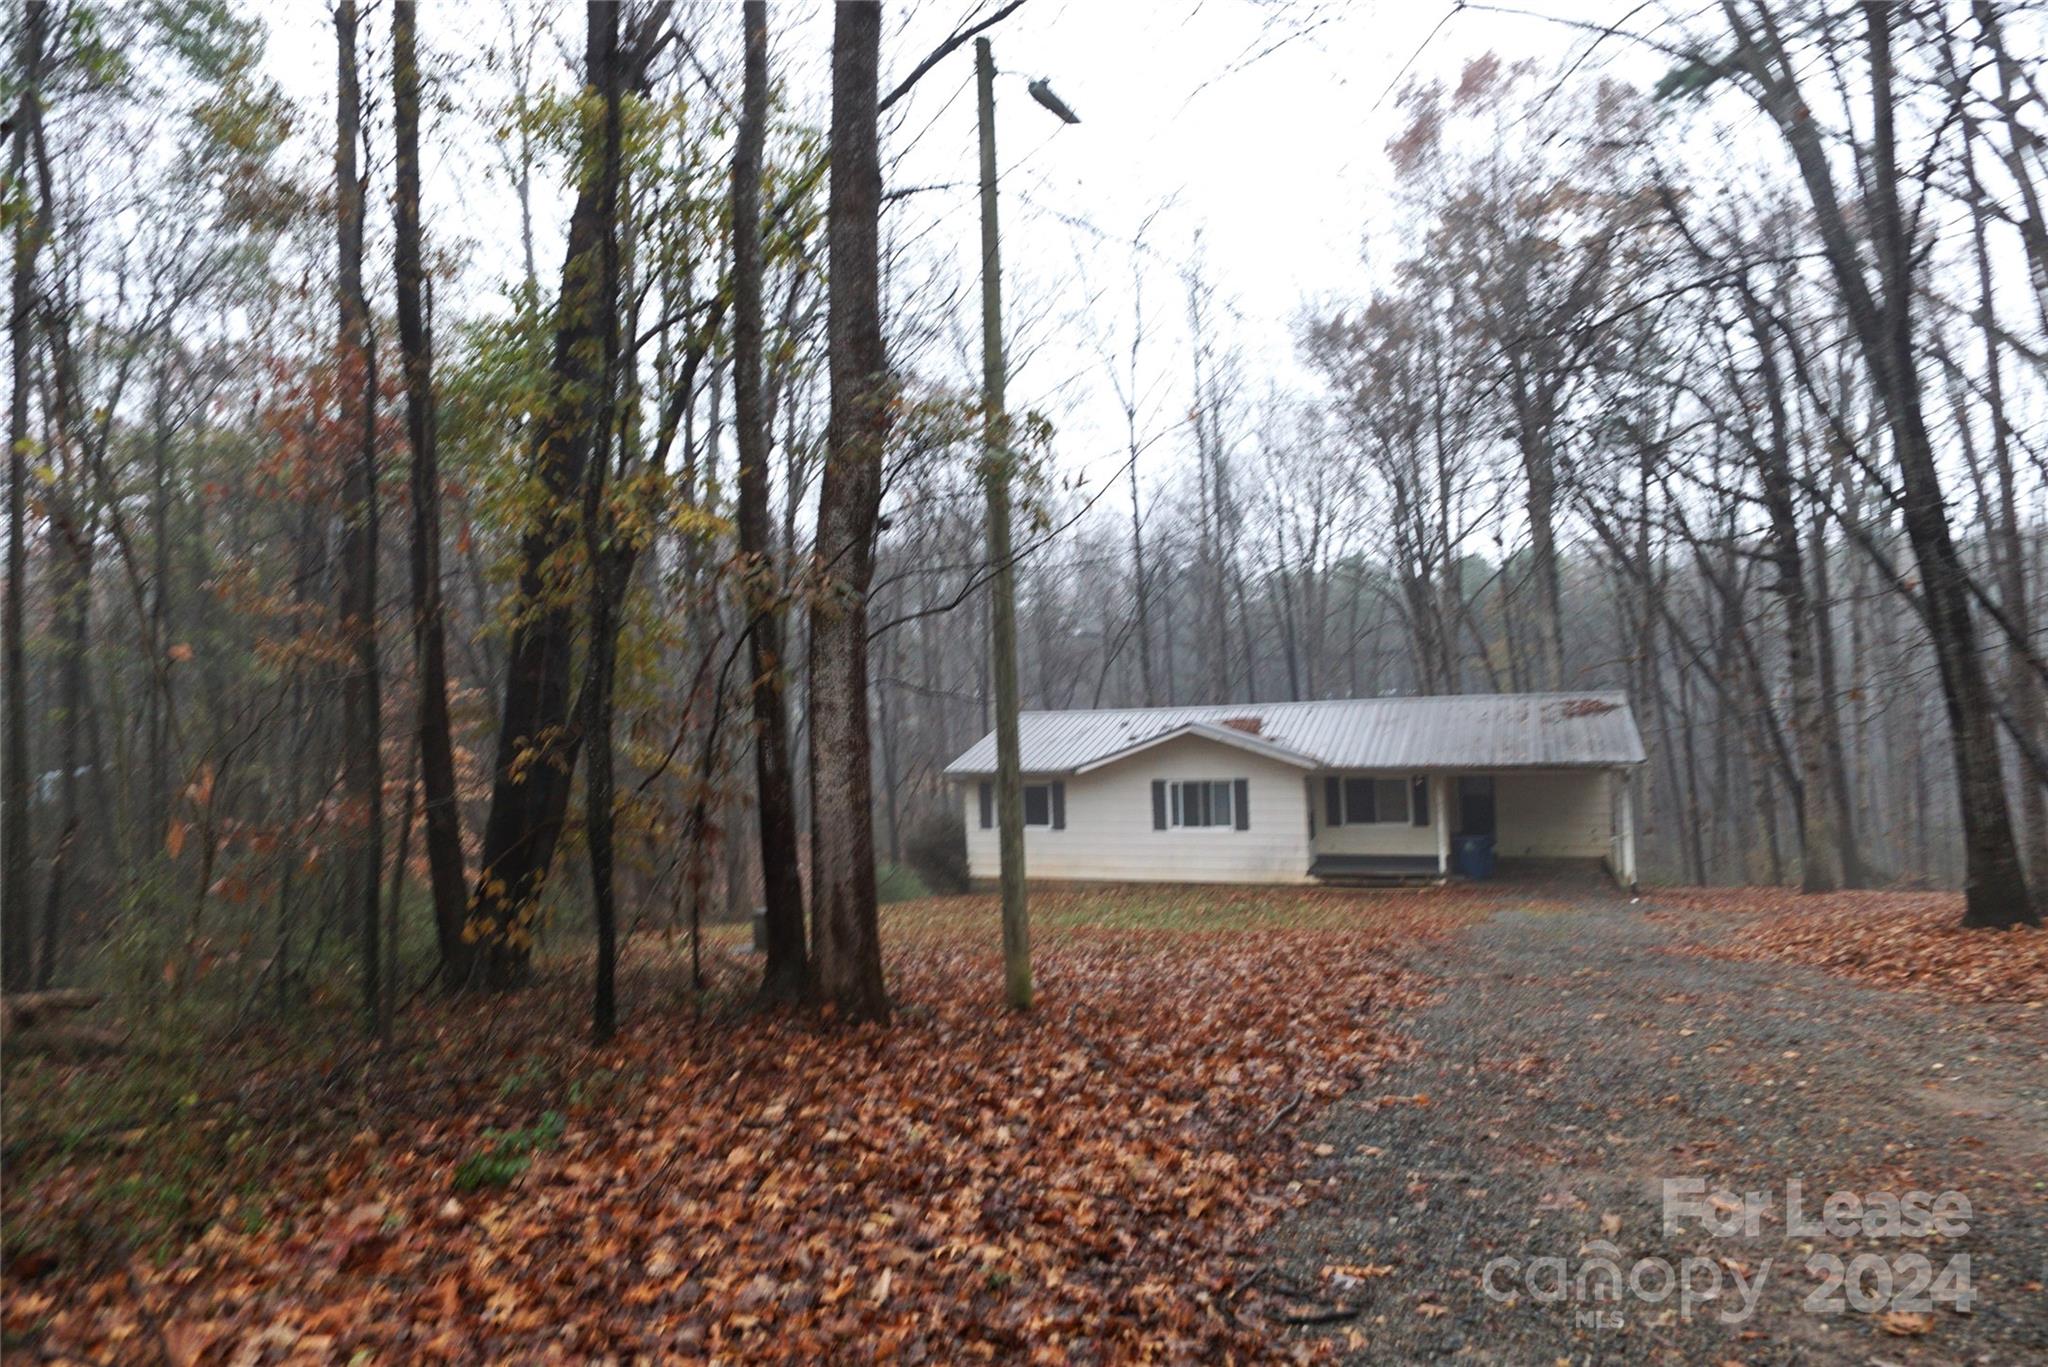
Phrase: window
(1359, 807)
(1375, 801)
(1390, 799)
(1205, 802)
(1037, 804)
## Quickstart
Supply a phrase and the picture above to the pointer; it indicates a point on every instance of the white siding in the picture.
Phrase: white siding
(1562, 812)
(1376, 837)
(1109, 833)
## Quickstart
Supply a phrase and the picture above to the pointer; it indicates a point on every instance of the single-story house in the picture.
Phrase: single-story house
(1300, 791)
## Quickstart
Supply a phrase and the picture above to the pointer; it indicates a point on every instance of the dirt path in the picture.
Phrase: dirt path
(1572, 1064)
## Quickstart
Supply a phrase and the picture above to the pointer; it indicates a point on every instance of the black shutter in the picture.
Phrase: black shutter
(1418, 800)
(1240, 802)
(988, 805)
(1333, 800)
(1158, 804)
(1059, 806)
(1308, 791)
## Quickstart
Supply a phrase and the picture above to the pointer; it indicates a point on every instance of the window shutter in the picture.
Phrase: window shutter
(1240, 803)
(988, 805)
(1059, 806)
(1158, 804)
(1308, 792)
(1418, 800)
(1333, 799)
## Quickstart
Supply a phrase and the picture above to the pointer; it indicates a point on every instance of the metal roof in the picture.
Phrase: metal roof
(1255, 742)
(1461, 731)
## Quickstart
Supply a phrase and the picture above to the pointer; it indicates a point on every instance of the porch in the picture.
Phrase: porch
(1380, 827)
(1375, 868)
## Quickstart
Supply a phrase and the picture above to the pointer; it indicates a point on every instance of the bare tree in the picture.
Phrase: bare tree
(362, 756)
(15, 934)
(1880, 312)
(443, 817)
(787, 971)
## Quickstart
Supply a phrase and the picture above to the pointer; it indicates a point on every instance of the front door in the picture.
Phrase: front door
(1475, 804)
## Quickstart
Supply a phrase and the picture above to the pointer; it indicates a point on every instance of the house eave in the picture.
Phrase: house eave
(1220, 735)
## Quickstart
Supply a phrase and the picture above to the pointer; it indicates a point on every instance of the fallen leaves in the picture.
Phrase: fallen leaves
(1892, 939)
(1906, 1323)
(1079, 1182)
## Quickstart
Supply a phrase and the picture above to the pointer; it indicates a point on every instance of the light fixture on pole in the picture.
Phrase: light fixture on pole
(1041, 91)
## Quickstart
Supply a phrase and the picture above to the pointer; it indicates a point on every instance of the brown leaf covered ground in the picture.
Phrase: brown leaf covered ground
(1890, 939)
(1076, 1184)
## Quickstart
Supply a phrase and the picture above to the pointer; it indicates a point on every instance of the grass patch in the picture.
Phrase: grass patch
(509, 1155)
(1184, 909)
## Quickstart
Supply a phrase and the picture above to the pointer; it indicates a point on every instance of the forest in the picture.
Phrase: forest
(345, 628)
(502, 499)
(340, 627)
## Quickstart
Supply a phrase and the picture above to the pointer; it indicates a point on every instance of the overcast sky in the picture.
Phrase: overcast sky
(1262, 125)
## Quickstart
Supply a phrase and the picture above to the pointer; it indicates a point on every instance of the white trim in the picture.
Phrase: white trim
(1175, 802)
(1626, 837)
(1201, 730)
(1440, 804)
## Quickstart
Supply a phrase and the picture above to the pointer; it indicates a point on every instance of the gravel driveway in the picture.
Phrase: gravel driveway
(1573, 1063)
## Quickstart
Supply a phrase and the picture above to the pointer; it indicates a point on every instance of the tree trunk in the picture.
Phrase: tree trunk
(1539, 466)
(1994, 884)
(786, 974)
(16, 940)
(361, 759)
(1822, 866)
(609, 567)
(2029, 708)
(70, 567)
(846, 935)
(157, 712)
(442, 824)
(1141, 588)
(1856, 872)
(538, 735)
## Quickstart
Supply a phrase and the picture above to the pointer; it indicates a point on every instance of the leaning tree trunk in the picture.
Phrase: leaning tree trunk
(846, 936)
(786, 974)
(538, 739)
(2029, 708)
(1994, 884)
(443, 817)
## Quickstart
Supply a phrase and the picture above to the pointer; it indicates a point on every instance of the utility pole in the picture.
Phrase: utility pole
(996, 460)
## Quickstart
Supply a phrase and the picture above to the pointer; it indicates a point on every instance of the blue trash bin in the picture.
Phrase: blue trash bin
(1474, 855)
